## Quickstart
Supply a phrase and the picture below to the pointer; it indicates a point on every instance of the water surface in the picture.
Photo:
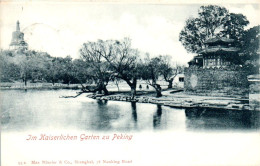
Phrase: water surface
(37, 109)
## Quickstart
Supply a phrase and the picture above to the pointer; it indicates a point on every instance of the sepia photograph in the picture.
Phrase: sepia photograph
(120, 83)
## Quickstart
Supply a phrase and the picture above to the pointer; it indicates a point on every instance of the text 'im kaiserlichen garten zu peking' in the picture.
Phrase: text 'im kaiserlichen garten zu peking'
(81, 137)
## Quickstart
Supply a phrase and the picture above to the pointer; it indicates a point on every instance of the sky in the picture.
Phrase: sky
(60, 28)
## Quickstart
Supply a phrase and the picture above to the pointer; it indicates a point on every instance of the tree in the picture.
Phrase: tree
(30, 65)
(152, 71)
(54, 69)
(92, 53)
(234, 27)
(37, 65)
(19, 61)
(168, 71)
(116, 80)
(24, 64)
(68, 70)
(212, 21)
(9, 71)
(250, 49)
(123, 61)
(81, 69)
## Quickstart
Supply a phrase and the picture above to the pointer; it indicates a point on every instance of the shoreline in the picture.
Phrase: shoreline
(42, 88)
(174, 98)
(38, 86)
(183, 100)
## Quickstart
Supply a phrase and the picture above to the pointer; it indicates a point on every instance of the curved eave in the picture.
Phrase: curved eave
(211, 50)
(214, 40)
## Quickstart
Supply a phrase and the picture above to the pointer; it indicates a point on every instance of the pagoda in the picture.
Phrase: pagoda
(219, 52)
(18, 42)
(215, 71)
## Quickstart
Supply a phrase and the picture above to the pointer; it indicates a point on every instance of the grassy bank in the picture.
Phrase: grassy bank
(18, 85)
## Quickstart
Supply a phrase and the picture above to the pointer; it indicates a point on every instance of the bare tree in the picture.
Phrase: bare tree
(152, 71)
(123, 61)
(168, 71)
(92, 53)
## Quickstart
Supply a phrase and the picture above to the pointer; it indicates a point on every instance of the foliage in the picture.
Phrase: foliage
(36, 66)
(81, 70)
(9, 70)
(234, 27)
(100, 62)
(212, 21)
(250, 49)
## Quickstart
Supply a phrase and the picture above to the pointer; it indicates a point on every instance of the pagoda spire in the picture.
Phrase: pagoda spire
(17, 26)
(17, 41)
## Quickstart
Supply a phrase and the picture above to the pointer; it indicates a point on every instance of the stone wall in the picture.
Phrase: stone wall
(216, 81)
(254, 91)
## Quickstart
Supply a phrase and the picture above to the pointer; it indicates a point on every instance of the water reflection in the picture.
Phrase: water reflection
(134, 113)
(157, 117)
(101, 103)
(219, 119)
(21, 111)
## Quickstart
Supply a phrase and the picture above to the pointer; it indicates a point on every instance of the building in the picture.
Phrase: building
(196, 61)
(18, 42)
(178, 81)
(216, 71)
(219, 52)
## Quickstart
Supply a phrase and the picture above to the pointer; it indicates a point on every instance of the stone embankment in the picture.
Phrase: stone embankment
(183, 102)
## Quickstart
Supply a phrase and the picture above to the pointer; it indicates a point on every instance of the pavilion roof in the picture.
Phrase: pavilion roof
(218, 49)
(219, 39)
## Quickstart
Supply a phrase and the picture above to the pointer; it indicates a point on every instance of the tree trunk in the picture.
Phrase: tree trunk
(83, 88)
(158, 93)
(25, 81)
(158, 89)
(117, 86)
(105, 90)
(170, 83)
(134, 113)
(132, 86)
(102, 88)
(133, 91)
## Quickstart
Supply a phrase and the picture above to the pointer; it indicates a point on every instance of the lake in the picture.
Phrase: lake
(159, 135)
(38, 109)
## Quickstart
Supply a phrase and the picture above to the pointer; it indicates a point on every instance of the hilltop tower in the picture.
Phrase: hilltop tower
(18, 42)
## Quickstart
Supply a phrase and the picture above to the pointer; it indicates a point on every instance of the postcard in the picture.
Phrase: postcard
(142, 83)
